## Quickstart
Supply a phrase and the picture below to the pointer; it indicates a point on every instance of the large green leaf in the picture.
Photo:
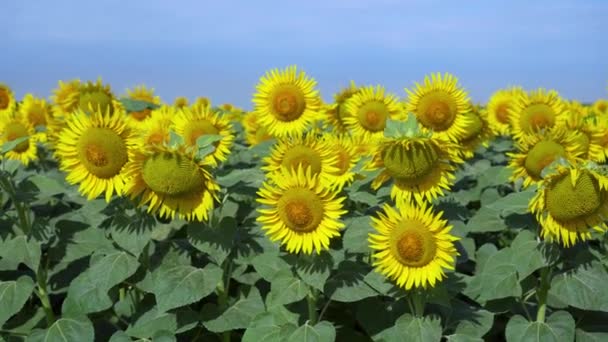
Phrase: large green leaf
(286, 289)
(583, 288)
(348, 284)
(270, 266)
(13, 295)
(21, 250)
(320, 332)
(269, 327)
(182, 285)
(356, 234)
(557, 328)
(65, 330)
(239, 314)
(217, 242)
(89, 291)
(411, 328)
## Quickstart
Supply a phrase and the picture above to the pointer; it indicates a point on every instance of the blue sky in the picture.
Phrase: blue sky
(219, 49)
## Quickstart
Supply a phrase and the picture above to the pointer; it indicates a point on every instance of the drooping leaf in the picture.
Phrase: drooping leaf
(320, 332)
(582, 288)
(558, 327)
(21, 249)
(65, 329)
(13, 295)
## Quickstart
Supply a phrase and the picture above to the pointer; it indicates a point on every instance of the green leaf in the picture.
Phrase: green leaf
(514, 203)
(314, 269)
(21, 250)
(132, 105)
(238, 315)
(427, 329)
(205, 144)
(253, 176)
(286, 289)
(80, 239)
(268, 327)
(182, 285)
(587, 336)
(321, 332)
(13, 295)
(151, 322)
(48, 186)
(473, 324)
(9, 146)
(583, 288)
(88, 293)
(558, 327)
(526, 254)
(348, 284)
(65, 330)
(270, 266)
(496, 278)
(356, 234)
(215, 241)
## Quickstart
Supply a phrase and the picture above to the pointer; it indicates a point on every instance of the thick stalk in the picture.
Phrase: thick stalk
(419, 301)
(543, 289)
(311, 299)
(223, 293)
(42, 294)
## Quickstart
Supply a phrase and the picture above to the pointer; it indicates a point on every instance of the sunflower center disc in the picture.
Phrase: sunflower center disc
(102, 152)
(502, 113)
(372, 116)
(288, 103)
(537, 116)
(4, 99)
(198, 128)
(566, 202)
(437, 111)
(172, 175)
(96, 100)
(15, 130)
(141, 115)
(36, 117)
(541, 155)
(343, 162)
(301, 210)
(413, 244)
(157, 138)
(302, 155)
(473, 128)
(411, 163)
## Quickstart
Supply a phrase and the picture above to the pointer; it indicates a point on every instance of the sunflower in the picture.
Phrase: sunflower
(66, 96)
(589, 135)
(498, 109)
(367, 111)
(477, 132)
(571, 202)
(334, 112)
(142, 93)
(412, 245)
(191, 124)
(419, 167)
(600, 123)
(254, 133)
(286, 102)
(97, 96)
(36, 111)
(16, 126)
(93, 149)
(536, 110)
(539, 150)
(307, 150)
(303, 214)
(171, 181)
(600, 107)
(180, 102)
(7, 100)
(157, 129)
(440, 105)
(344, 149)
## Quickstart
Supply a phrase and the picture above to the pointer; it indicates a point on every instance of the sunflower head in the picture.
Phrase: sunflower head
(346, 159)
(143, 94)
(571, 201)
(498, 111)
(335, 112)
(536, 110)
(477, 131)
(412, 245)
(368, 111)
(180, 102)
(157, 129)
(97, 97)
(286, 102)
(254, 133)
(440, 105)
(13, 127)
(303, 214)
(34, 110)
(600, 107)
(7, 100)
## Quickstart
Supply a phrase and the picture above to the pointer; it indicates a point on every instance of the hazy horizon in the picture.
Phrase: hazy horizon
(219, 50)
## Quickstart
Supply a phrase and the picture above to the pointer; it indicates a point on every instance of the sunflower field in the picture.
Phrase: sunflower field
(374, 217)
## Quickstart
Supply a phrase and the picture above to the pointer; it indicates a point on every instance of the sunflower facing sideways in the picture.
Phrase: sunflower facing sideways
(193, 123)
(589, 136)
(95, 96)
(344, 149)
(16, 126)
(92, 150)
(334, 112)
(286, 102)
(7, 100)
(367, 111)
(477, 133)
(498, 109)
(172, 181)
(537, 151)
(412, 245)
(301, 212)
(157, 128)
(307, 150)
(142, 93)
(440, 105)
(254, 132)
(571, 202)
(536, 110)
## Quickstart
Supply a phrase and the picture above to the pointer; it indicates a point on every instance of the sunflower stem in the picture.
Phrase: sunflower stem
(311, 299)
(8, 187)
(543, 289)
(223, 293)
(42, 293)
(419, 301)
